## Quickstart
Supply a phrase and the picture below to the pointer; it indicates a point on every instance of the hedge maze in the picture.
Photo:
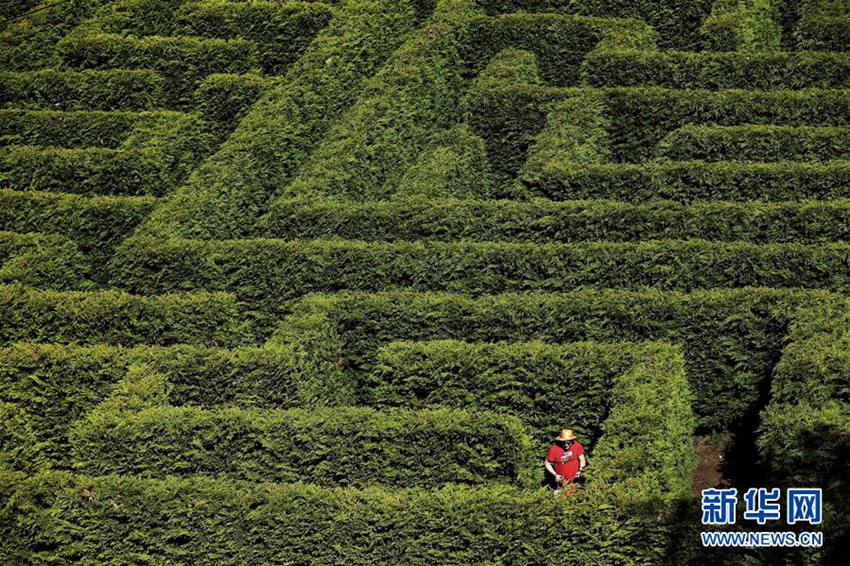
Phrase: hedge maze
(296, 281)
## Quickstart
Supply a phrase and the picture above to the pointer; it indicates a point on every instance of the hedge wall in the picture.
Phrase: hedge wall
(42, 261)
(224, 99)
(711, 70)
(510, 116)
(227, 192)
(692, 181)
(729, 336)
(351, 446)
(414, 95)
(282, 31)
(742, 25)
(55, 385)
(548, 386)
(615, 518)
(548, 221)
(823, 25)
(271, 272)
(95, 224)
(756, 143)
(113, 317)
(66, 129)
(115, 89)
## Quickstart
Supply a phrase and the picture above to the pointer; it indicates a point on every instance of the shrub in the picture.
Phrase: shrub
(82, 90)
(823, 26)
(712, 70)
(95, 224)
(41, 261)
(224, 99)
(743, 25)
(78, 129)
(226, 193)
(729, 336)
(339, 446)
(756, 143)
(117, 318)
(281, 31)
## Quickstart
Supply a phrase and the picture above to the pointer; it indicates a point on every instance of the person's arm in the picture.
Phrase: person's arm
(582, 462)
(548, 465)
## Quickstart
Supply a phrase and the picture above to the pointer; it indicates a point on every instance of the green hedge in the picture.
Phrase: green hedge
(510, 116)
(95, 224)
(227, 192)
(181, 61)
(42, 261)
(82, 90)
(729, 336)
(350, 446)
(559, 42)
(823, 25)
(711, 70)
(690, 181)
(743, 25)
(224, 99)
(269, 273)
(548, 221)
(117, 318)
(756, 143)
(282, 31)
(414, 95)
(55, 385)
(548, 386)
(65, 129)
(202, 519)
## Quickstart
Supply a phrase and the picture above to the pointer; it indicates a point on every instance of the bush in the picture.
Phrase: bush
(66, 129)
(548, 386)
(282, 31)
(729, 336)
(711, 70)
(743, 25)
(41, 261)
(82, 90)
(339, 446)
(56, 385)
(224, 99)
(823, 26)
(756, 143)
(95, 224)
(692, 181)
(226, 193)
(546, 221)
(117, 318)
(268, 273)
(182, 61)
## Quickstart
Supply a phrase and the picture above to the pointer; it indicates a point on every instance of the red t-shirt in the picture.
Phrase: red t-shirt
(566, 462)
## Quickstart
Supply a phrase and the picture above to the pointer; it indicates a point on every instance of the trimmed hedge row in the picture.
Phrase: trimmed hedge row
(224, 99)
(348, 446)
(158, 153)
(547, 221)
(823, 25)
(548, 386)
(95, 224)
(729, 336)
(202, 519)
(691, 181)
(712, 70)
(55, 385)
(626, 514)
(560, 42)
(117, 318)
(67, 129)
(181, 61)
(227, 192)
(756, 143)
(510, 116)
(414, 95)
(268, 273)
(282, 31)
(41, 261)
(742, 25)
(115, 89)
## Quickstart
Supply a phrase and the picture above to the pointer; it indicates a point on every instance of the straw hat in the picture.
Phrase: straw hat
(566, 434)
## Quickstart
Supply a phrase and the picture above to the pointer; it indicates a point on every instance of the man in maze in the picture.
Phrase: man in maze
(565, 462)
